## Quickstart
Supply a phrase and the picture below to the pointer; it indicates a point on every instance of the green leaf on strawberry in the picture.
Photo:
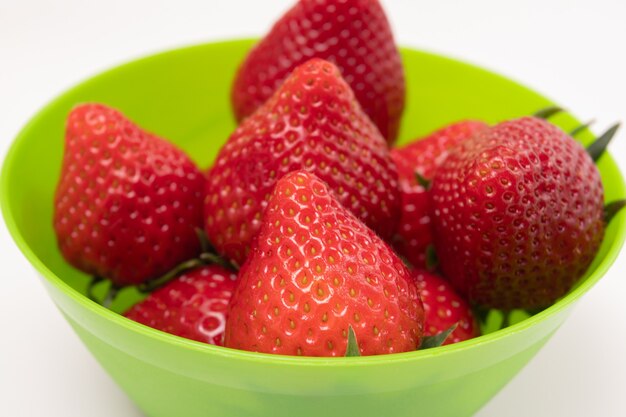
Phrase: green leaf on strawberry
(611, 209)
(429, 342)
(547, 112)
(422, 181)
(431, 258)
(575, 131)
(597, 148)
(353, 344)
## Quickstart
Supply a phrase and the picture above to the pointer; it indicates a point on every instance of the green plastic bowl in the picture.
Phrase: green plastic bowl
(183, 95)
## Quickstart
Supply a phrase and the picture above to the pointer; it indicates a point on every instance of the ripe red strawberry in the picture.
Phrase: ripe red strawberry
(315, 271)
(443, 308)
(127, 202)
(414, 232)
(314, 123)
(353, 34)
(518, 214)
(194, 305)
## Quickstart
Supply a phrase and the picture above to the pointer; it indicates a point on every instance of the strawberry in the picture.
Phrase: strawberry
(353, 34)
(127, 202)
(422, 157)
(314, 123)
(316, 271)
(518, 214)
(194, 305)
(443, 308)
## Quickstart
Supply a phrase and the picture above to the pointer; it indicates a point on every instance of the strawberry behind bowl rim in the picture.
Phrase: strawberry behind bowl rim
(9, 169)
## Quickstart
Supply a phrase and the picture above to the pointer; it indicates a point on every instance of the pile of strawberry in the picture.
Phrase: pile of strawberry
(311, 234)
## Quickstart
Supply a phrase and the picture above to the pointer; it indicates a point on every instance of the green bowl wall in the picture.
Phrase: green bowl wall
(183, 95)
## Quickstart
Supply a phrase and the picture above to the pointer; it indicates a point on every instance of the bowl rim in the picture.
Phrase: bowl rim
(117, 319)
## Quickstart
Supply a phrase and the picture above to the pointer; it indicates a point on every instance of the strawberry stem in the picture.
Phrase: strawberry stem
(597, 148)
(204, 240)
(548, 112)
(152, 285)
(611, 209)
(210, 258)
(205, 258)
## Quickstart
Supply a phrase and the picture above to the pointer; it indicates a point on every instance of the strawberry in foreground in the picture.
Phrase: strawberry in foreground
(316, 271)
(127, 202)
(518, 214)
(313, 122)
(444, 308)
(194, 305)
(420, 159)
(353, 34)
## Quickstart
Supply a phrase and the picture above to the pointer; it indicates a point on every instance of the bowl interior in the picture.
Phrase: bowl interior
(183, 95)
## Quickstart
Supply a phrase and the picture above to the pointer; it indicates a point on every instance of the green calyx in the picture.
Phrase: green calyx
(429, 342)
(426, 183)
(597, 148)
(432, 262)
(95, 280)
(110, 295)
(580, 128)
(353, 345)
(548, 112)
(611, 209)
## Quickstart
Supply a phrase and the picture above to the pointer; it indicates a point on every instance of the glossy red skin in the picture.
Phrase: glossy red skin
(518, 214)
(127, 202)
(312, 122)
(443, 308)
(353, 34)
(193, 306)
(315, 271)
(414, 232)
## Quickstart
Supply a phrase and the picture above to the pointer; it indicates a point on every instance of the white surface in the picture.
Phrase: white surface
(570, 50)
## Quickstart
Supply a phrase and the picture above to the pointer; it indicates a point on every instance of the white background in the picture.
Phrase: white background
(572, 51)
